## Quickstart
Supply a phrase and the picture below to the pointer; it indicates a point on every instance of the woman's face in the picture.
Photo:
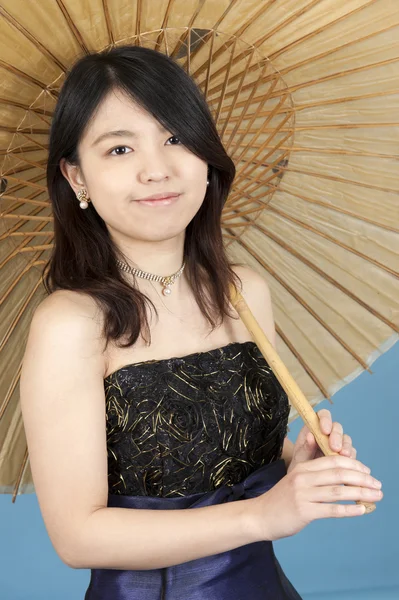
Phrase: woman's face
(118, 170)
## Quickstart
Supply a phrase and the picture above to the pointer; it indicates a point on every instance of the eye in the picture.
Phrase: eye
(176, 138)
(117, 148)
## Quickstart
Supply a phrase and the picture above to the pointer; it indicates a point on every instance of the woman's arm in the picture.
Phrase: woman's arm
(63, 407)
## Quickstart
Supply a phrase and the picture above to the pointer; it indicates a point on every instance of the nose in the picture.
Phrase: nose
(154, 167)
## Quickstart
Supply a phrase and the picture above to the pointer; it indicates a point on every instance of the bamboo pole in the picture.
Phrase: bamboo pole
(295, 395)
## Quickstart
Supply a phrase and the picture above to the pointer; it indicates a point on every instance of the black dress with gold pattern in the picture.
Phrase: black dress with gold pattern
(192, 431)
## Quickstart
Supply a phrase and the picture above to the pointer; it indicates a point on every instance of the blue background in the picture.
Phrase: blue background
(331, 559)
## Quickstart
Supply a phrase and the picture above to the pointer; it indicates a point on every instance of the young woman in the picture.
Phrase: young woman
(156, 430)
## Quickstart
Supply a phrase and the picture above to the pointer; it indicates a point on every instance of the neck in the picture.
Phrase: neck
(163, 258)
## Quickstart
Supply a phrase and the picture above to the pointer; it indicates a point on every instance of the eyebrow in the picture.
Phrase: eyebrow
(120, 133)
(116, 133)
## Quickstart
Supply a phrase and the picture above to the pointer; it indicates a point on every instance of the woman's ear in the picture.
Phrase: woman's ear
(72, 174)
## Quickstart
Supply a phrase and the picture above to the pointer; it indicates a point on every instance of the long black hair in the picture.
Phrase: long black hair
(84, 255)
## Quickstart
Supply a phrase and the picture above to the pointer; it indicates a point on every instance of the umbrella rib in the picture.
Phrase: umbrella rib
(276, 173)
(336, 49)
(36, 248)
(330, 52)
(329, 278)
(319, 175)
(25, 77)
(211, 34)
(243, 173)
(32, 130)
(332, 151)
(189, 26)
(209, 62)
(325, 276)
(29, 36)
(138, 19)
(260, 200)
(290, 19)
(272, 113)
(265, 37)
(338, 209)
(22, 159)
(72, 27)
(243, 113)
(303, 302)
(27, 218)
(238, 90)
(20, 474)
(369, 259)
(28, 182)
(330, 77)
(108, 22)
(333, 126)
(18, 150)
(341, 180)
(300, 107)
(338, 74)
(8, 291)
(226, 80)
(238, 33)
(321, 29)
(13, 229)
(304, 364)
(27, 234)
(24, 201)
(40, 112)
(318, 56)
(16, 188)
(244, 214)
(161, 34)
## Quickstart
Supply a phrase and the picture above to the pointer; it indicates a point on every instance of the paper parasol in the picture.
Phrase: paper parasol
(305, 96)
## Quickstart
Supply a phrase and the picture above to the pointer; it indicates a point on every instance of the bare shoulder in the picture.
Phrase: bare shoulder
(256, 293)
(68, 304)
(249, 275)
(68, 314)
(63, 408)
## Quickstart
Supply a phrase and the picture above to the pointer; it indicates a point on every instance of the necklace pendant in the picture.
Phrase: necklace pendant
(166, 291)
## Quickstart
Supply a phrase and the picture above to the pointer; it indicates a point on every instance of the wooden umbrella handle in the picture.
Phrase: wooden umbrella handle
(294, 393)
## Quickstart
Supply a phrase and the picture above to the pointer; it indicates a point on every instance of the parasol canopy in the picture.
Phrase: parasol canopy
(305, 94)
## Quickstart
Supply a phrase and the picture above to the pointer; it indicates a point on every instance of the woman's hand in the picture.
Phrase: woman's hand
(309, 492)
(306, 447)
(313, 485)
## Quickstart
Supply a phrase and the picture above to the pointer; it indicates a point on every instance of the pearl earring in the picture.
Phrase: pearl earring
(83, 198)
(207, 183)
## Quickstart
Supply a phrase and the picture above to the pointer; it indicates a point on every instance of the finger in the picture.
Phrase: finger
(325, 420)
(334, 461)
(335, 439)
(334, 493)
(302, 435)
(346, 446)
(336, 511)
(306, 450)
(336, 477)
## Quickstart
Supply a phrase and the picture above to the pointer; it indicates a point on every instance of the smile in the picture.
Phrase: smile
(159, 202)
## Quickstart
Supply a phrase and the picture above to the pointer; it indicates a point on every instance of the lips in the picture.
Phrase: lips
(161, 196)
(161, 201)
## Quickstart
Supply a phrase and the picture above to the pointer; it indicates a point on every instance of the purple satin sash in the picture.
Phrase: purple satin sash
(250, 572)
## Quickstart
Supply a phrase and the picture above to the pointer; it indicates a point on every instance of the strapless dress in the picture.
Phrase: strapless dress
(192, 431)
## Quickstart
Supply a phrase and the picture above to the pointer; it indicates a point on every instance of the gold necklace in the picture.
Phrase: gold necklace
(166, 280)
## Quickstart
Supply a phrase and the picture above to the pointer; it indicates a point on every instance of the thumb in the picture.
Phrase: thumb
(305, 448)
